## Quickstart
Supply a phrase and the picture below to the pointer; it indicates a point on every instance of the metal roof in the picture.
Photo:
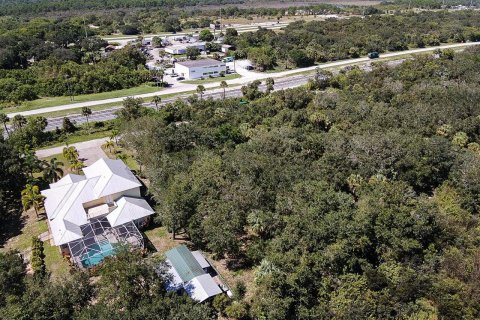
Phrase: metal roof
(64, 203)
(129, 209)
(201, 63)
(184, 263)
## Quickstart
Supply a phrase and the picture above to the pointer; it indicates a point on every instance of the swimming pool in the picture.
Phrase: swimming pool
(97, 252)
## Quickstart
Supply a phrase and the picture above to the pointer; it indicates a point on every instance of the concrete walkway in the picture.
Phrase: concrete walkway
(247, 77)
(89, 151)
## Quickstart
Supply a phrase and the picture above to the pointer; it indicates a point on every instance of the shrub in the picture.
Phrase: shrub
(98, 124)
(237, 310)
(221, 302)
(38, 258)
(240, 290)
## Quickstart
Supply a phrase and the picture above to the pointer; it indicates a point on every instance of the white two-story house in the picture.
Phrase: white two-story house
(90, 216)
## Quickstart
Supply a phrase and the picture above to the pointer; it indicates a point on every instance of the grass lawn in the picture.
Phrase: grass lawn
(161, 239)
(79, 138)
(117, 150)
(22, 242)
(216, 79)
(64, 113)
(60, 158)
(32, 228)
(55, 263)
(56, 101)
(76, 111)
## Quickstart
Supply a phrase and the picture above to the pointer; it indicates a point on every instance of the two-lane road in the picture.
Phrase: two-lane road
(109, 114)
(283, 80)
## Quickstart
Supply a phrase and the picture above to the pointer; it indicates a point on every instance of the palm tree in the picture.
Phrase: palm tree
(71, 154)
(265, 268)
(19, 121)
(223, 85)
(52, 170)
(200, 90)
(156, 100)
(122, 156)
(109, 144)
(159, 74)
(77, 166)
(114, 135)
(86, 112)
(4, 119)
(258, 223)
(31, 197)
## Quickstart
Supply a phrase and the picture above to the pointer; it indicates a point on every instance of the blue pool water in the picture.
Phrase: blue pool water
(93, 257)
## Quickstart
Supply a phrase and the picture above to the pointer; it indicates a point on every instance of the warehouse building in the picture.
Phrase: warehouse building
(204, 68)
(182, 48)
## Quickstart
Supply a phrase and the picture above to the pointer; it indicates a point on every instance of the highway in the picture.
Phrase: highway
(239, 28)
(109, 114)
(246, 77)
(283, 80)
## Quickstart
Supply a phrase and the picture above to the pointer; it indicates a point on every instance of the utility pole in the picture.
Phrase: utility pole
(85, 28)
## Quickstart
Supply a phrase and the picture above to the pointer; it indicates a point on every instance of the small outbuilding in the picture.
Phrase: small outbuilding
(193, 274)
(226, 47)
(203, 68)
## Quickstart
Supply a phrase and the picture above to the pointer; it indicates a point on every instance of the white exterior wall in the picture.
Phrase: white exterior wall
(199, 72)
(182, 49)
(175, 50)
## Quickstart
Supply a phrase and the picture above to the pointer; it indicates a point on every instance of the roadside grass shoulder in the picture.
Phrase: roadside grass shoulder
(56, 101)
(79, 138)
(216, 79)
(77, 111)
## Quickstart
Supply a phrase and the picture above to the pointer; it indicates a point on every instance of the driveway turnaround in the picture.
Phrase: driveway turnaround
(89, 151)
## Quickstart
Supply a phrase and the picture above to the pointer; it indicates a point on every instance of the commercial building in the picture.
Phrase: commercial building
(90, 216)
(196, 69)
(192, 273)
(182, 48)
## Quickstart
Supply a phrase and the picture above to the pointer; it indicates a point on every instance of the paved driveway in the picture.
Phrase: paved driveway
(89, 151)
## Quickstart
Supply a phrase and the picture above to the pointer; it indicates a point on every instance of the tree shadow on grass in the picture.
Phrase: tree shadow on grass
(11, 226)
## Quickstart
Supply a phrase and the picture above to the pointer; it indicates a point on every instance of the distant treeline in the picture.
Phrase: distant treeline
(433, 4)
(13, 7)
(304, 43)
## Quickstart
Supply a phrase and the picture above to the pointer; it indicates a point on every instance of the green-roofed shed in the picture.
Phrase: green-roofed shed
(184, 263)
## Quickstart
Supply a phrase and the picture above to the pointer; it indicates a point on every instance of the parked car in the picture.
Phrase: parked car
(373, 55)
(180, 78)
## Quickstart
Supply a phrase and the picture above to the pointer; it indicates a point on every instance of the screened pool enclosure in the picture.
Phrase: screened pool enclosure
(101, 240)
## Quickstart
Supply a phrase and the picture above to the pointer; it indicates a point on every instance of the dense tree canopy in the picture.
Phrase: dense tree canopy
(130, 287)
(303, 43)
(356, 202)
(46, 57)
(12, 181)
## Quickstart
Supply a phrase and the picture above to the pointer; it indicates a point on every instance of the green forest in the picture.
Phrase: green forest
(356, 201)
(304, 43)
(355, 196)
(60, 57)
(14, 7)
